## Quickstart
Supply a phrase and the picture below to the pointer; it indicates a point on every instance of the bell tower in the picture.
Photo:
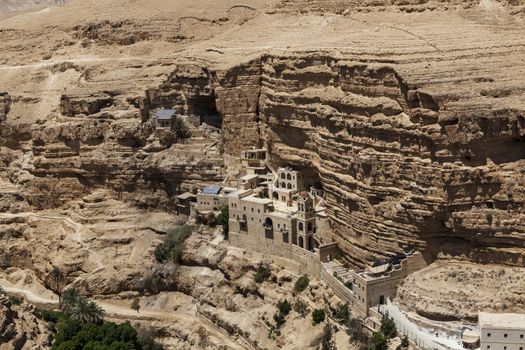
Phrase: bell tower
(305, 221)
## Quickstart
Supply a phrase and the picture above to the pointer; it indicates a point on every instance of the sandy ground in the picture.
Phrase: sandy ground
(457, 290)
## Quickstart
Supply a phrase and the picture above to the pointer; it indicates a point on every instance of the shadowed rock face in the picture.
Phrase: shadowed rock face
(399, 167)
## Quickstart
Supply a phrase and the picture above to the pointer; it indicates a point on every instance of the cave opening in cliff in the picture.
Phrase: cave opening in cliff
(205, 108)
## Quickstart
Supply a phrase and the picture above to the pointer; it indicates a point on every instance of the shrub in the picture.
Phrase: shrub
(279, 319)
(327, 343)
(284, 307)
(317, 316)
(179, 127)
(135, 304)
(173, 244)
(262, 274)
(301, 308)
(147, 340)
(152, 283)
(222, 220)
(379, 341)
(404, 342)
(15, 300)
(301, 283)
(388, 327)
(48, 315)
(355, 331)
(342, 313)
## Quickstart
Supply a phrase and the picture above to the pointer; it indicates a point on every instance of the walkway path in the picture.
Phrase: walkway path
(120, 311)
(424, 339)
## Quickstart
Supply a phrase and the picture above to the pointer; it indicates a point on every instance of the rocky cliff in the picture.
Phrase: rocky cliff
(408, 113)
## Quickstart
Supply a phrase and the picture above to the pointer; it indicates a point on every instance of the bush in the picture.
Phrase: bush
(279, 319)
(388, 327)
(379, 341)
(48, 315)
(222, 220)
(284, 307)
(355, 331)
(404, 342)
(342, 313)
(317, 316)
(301, 283)
(152, 283)
(327, 343)
(173, 244)
(15, 300)
(301, 308)
(262, 274)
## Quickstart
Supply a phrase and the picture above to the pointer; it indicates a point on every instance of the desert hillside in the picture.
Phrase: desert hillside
(410, 114)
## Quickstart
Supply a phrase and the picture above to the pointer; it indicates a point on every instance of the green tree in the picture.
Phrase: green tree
(388, 327)
(68, 299)
(262, 274)
(179, 127)
(173, 244)
(57, 277)
(318, 316)
(284, 307)
(379, 341)
(404, 342)
(86, 311)
(301, 283)
(342, 313)
(135, 304)
(222, 220)
(327, 342)
(301, 308)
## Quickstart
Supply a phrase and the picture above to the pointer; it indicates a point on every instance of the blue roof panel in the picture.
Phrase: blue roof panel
(214, 190)
(165, 114)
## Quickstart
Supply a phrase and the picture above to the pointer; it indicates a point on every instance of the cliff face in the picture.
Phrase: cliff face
(408, 113)
(398, 168)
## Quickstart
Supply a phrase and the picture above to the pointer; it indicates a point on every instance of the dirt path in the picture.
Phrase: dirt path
(123, 312)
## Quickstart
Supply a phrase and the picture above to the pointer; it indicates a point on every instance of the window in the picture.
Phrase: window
(488, 334)
(488, 346)
(521, 336)
(505, 335)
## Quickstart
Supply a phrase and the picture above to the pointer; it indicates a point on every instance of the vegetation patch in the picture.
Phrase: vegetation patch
(173, 245)
(301, 283)
(262, 274)
(318, 316)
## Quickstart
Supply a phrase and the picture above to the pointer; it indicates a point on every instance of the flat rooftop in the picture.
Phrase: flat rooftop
(504, 320)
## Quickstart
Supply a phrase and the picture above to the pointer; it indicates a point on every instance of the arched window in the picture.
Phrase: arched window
(301, 242)
(289, 177)
(283, 176)
(283, 185)
(310, 227)
(301, 227)
(289, 186)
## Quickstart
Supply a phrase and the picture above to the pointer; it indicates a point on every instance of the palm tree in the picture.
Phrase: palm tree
(68, 299)
(57, 277)
(86, 311)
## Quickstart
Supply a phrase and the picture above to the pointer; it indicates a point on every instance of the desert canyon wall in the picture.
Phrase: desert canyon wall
(417, 143)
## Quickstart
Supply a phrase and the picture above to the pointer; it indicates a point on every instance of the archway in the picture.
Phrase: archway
(275, 196)
(382, 300)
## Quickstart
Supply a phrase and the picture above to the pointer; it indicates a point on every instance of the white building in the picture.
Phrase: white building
(502, 331)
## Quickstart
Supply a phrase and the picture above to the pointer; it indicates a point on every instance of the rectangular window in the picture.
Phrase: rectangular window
(488, 346)
(505, 335)
(488, 334)
(521, 336)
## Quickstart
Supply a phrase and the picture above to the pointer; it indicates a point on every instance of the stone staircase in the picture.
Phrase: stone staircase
(394, 343)
(340, 271)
